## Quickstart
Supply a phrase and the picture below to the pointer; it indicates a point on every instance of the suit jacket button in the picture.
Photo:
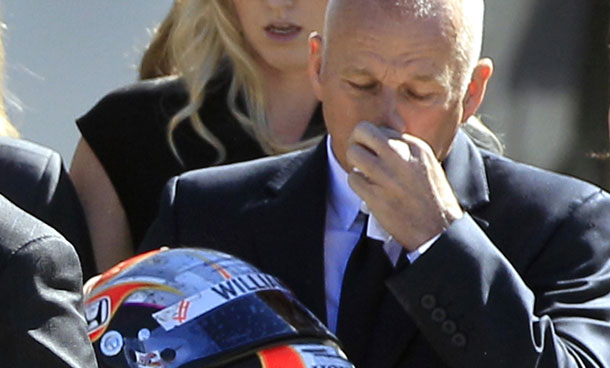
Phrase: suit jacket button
(449, 327)
(439, 315)
(428, 301)
(459, 340)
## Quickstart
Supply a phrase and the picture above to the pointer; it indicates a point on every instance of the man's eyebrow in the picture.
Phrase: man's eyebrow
(421, 76)
(425, 77)
(430, 75)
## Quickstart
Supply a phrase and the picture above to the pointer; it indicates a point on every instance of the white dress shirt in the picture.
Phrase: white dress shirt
(342, 232)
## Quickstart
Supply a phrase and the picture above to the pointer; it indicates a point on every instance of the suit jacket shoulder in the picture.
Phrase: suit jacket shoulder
(35, 179)
(233, 179)
(538, 184)
(269, 212)
(26, 163)
(219, 194)
(41, 282)
(537, 202)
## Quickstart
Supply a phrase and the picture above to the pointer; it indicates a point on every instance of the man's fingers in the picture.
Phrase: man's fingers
(372, 137)
(385, 142)
(365, 162)
(417, 146)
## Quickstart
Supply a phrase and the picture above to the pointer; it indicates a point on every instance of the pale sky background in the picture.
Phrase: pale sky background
(62, 56)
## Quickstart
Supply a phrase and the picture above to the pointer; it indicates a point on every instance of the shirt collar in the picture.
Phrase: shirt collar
(343, 201)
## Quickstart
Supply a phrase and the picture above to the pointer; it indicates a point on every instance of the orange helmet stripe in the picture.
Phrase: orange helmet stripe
(122, 266)
(281, 357)
(223, 272)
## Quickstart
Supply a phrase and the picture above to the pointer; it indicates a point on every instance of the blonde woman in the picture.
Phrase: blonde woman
(240, 92)
(156, 61)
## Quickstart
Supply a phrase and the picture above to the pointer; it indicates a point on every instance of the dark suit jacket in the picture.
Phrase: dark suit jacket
(34, 178)
(522, 280)
(41, 321)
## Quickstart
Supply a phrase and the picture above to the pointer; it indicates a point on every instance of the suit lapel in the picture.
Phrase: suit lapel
(289, 222)
(394, 328)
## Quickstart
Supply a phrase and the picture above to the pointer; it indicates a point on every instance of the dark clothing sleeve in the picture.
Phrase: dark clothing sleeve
(476, 309)
(41, 319)
(35, 179)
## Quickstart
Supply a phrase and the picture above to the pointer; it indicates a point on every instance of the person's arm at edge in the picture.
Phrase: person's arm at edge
(62, 207)
(44, 319)
(106, 218)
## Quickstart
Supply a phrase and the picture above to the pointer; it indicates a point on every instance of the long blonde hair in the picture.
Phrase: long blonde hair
(156, 62)
(196, 40)
(6, 128)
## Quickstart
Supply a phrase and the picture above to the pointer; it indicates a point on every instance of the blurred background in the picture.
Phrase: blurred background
(548, 99)
(62, 56)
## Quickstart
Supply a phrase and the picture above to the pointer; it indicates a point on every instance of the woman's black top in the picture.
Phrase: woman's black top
(127, 131)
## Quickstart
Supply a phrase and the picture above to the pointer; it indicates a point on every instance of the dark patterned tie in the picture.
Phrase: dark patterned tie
(362, 291)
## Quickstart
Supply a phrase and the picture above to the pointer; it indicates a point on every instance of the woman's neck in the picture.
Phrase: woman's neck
(290, 104)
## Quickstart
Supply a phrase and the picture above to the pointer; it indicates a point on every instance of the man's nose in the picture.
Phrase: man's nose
(390, 113)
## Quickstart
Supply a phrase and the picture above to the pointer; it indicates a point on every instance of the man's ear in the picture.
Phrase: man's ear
(315, 62)
(476, 89)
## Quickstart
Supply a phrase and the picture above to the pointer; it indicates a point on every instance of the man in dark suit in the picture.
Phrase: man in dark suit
(484, 262)
(35, 179)
(40, 283)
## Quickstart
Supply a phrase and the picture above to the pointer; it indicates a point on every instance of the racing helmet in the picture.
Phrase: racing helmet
(193, 308)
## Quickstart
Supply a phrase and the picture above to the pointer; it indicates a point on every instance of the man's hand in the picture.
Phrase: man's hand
(402, 183)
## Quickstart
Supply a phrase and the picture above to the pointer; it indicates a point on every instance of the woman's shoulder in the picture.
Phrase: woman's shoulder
(139, 101)
(132, 119)
(150, 89)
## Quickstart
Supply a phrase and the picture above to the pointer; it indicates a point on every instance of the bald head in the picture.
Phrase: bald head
(460, 22)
